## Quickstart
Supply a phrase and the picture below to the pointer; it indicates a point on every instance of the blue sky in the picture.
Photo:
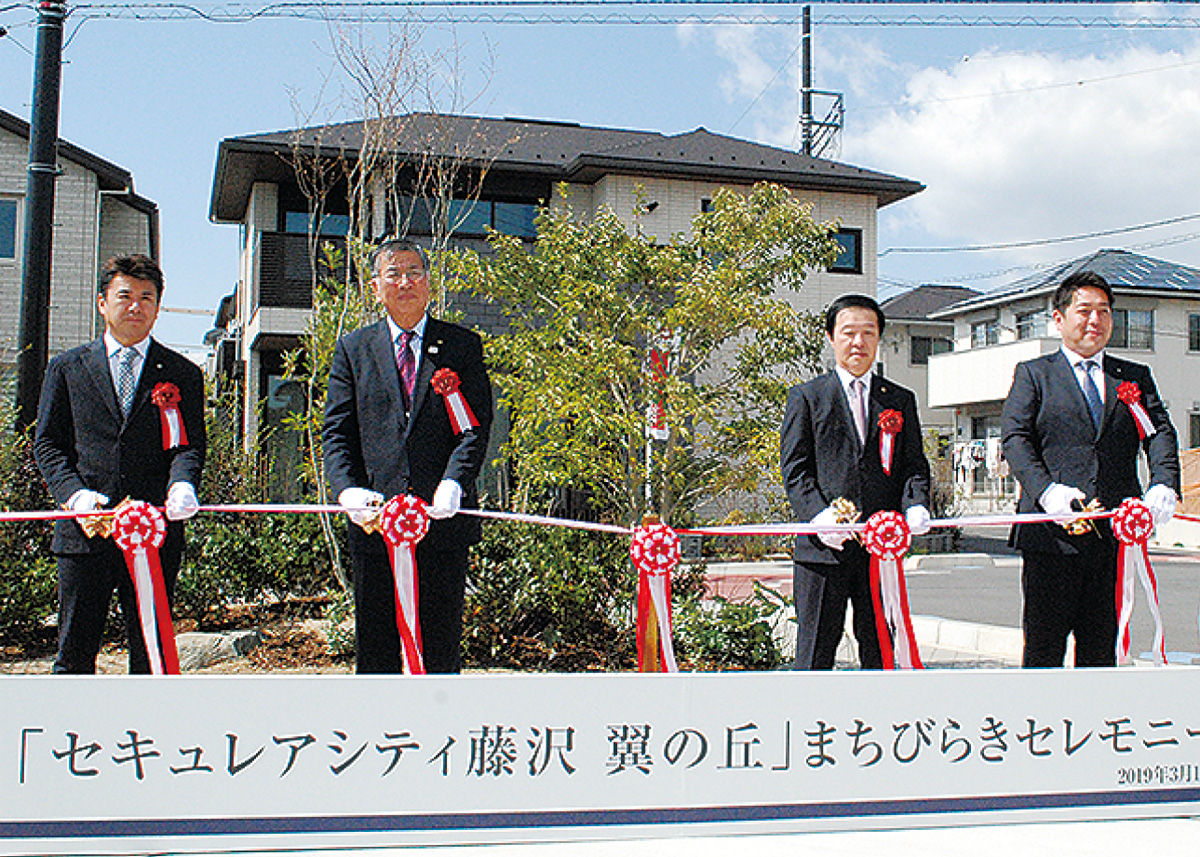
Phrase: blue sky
(1020, 133)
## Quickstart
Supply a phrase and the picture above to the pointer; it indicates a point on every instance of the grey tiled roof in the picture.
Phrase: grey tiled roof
(918, 303)
(555, 151)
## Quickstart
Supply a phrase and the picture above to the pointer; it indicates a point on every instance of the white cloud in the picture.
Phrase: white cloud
(1018, 146)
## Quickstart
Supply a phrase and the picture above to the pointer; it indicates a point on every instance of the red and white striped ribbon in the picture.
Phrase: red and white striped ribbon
(1132, 525)
(139, 531)
(404, 521)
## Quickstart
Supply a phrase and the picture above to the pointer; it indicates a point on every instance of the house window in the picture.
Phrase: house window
(985, 333)
(1133, 328)
(1031, 325)
(849, 257)
(920, 347)
(1193, 431)
(706, 205)
(8, 229)
(1194, 332)
(296, 223)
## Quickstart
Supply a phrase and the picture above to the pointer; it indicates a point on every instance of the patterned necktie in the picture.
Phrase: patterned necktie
(408, 366)
(1092, 394)
(125, 382)
(859, 401)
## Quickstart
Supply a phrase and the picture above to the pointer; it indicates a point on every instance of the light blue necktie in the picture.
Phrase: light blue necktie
(125, 382)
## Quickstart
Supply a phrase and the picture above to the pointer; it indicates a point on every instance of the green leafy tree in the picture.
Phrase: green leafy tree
(588, 305)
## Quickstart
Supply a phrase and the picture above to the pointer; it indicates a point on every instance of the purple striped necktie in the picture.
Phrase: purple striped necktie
(408, 366)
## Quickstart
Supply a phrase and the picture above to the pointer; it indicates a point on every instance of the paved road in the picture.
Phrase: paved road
(992, 596)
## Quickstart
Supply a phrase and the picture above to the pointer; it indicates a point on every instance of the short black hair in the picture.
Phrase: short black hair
(136, 266)
(391, 246)
(848, 302)
(1065, 293)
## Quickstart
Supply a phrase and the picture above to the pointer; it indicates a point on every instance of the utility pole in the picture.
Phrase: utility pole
(39, 212)
(806, 90)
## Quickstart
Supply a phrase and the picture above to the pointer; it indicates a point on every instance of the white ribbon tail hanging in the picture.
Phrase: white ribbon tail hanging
(143, 585)
(1135, 561)
(887, 442)
(658, 593)
(172, 428)
(404, 572)
(895, 630)
(460, 413)
(1144, 423)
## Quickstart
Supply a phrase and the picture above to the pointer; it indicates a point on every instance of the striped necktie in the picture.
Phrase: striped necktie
(407, 364)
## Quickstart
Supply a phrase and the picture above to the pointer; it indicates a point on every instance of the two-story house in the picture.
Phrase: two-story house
(96, 215)
(516, 165)
(1156, 321)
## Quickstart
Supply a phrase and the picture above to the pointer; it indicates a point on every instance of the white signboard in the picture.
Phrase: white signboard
(135, 764)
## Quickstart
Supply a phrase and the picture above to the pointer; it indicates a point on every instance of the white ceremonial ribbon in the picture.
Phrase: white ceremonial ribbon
(1133, 564)
(896, 615)
(143, 586)
(658, 594)
(174, 426)
(405, 577)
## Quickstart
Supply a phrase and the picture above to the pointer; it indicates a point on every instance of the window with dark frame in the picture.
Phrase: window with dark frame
(1194, 331)
(1133, 328)
(920, 348)
(984, 333)
(849, 258)
(8, 229)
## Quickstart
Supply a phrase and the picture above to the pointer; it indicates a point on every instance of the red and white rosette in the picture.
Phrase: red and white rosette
(139, 530)
(655, 552)
(166, 396)
(446, 383)
(887, 538)
(1131, 394)
(1132, 525)
(890, 423)
(404, 521)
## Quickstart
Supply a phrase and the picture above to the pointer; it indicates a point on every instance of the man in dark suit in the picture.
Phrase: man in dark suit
(1070, 439)
(387, 432)
(831, 449)
(99, 437)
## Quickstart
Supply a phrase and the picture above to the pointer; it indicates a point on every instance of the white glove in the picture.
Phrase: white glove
(181, 501)
(1057, 499)
(1162, 502)
(360, 504)
(447, 499)
(833, 540)
(918, 520)
(85, 500)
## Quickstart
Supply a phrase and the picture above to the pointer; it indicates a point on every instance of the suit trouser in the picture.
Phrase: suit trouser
(820, 592)
(441, 581)
(1071, 594)
(85, 588)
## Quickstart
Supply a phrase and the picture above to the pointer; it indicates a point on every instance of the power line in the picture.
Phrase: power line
(1041, 242)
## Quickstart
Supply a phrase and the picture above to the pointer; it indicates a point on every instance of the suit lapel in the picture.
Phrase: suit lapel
(97, 366)
(432, 344)
(384, 353)
(1113, 376)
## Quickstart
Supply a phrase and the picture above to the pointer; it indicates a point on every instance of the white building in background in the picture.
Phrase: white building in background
(96, 215)
(1156, 321)
(527, 163)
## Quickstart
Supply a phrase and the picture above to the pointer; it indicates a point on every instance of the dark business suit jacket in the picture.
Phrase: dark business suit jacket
(82, 441)
(370, 443)
(1048, 437)
(822, 458)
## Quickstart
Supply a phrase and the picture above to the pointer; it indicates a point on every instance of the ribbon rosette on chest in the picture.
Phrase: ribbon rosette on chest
(655, 553)
(404, 521)
(1133, 525)
(166, 396)
(891, 422)
(1131, 394)
(139, 530)
(887, 538)
(446, 383)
